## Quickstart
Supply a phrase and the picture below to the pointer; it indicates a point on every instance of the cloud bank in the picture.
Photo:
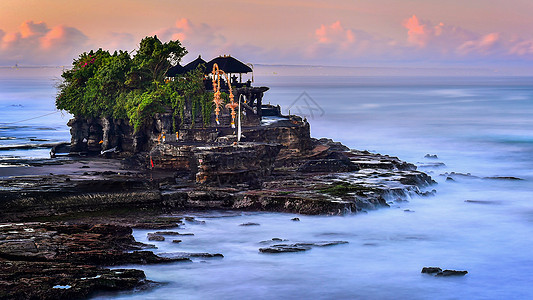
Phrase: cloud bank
(37, 44)
(423, 42)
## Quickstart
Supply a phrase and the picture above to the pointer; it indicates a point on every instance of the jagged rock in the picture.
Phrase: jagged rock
(188, 255)
(193, 220)
(431, 156)
(250, 224)
(452, 273)
(174, 233)
(503, 178)
(483, 202)
(457, 174)
(298, 247)
(155, 237)
(431, 165)
(428, 193)
(439, 272)
(61, 261)
(431, 270)
(51, 280)
(273, 240)
(247, 176)
(334, 146)
(283, 249)
(295, 219)
(328, 165)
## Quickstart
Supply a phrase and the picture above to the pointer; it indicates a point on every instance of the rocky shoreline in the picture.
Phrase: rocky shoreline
(63, 260)
(356, 180)
(68, 232)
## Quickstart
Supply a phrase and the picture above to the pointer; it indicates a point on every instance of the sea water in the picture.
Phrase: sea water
(28, 116)
(479, 126)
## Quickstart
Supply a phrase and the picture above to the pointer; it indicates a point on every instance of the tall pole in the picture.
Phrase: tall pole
(239, 130)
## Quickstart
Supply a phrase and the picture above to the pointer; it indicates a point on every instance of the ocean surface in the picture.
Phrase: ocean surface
(27, 113)
(480, 127)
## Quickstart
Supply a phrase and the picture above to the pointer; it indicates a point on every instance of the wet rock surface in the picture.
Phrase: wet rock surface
(458, 175)
(293, 182)
(57, 260)
(451, 273)
(296, 247)
(438, 272)
(188, 255)
(249, 224)
(296, 175)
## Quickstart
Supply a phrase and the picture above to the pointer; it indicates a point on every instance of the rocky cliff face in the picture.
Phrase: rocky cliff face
(94, 135)
(222, 160)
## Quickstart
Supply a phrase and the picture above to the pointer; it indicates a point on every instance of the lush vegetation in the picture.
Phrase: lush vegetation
(121, 86)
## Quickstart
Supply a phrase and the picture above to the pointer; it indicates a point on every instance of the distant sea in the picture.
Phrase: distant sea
(480, 220)
(27, 112)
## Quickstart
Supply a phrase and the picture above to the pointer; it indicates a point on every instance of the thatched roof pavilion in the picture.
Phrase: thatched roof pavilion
(228, 64)
(194, 64)
(176, 70)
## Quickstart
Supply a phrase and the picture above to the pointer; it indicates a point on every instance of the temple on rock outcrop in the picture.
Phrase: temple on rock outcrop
(207, 151)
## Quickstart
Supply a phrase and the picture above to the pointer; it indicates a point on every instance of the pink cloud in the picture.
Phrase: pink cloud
(197, 38)
(481, 45)
(522, 48)
(446, 42)
(36, 43)
(334, 33)
(442, 41)
(417, 33)
(334, 43)
(423, 33)
(203, 39)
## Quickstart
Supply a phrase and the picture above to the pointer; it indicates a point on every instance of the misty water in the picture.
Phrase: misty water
(480, 126)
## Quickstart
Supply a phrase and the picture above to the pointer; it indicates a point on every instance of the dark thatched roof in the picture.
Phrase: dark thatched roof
(176, 70)
(194, 64)
(228, 64)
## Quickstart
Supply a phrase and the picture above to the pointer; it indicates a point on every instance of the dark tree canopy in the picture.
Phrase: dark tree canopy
(101, 84)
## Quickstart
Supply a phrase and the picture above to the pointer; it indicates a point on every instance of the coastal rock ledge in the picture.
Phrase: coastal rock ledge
(277, 168)
(55, 260)
(253, 176)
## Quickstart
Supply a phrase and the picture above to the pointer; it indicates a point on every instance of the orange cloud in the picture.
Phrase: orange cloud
(417, 33)
(30, 28)
(36, 43)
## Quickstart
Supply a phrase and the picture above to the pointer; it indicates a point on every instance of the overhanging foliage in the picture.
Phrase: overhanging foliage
(101, 84)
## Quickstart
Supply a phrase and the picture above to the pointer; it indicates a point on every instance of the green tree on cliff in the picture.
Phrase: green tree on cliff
(117, 85)
(154, 58)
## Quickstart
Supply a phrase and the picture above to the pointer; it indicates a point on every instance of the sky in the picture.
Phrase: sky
(384, 33)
